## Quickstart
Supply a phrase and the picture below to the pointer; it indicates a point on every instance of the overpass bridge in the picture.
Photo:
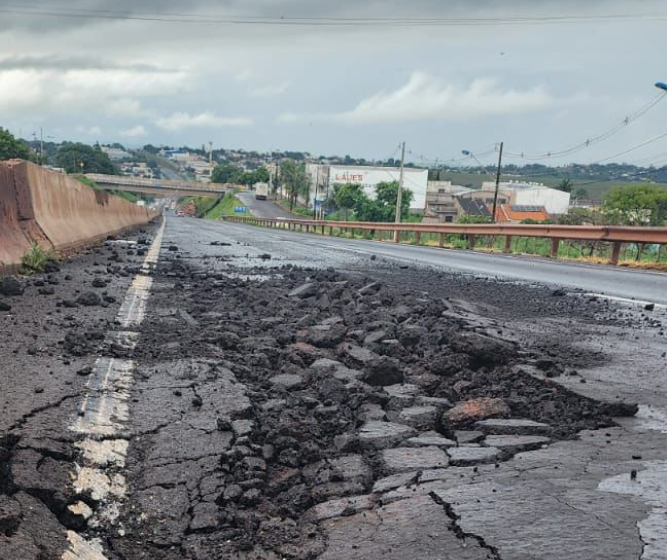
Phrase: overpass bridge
(162, 187)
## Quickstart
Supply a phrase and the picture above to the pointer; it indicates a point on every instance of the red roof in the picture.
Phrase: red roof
(516, 214)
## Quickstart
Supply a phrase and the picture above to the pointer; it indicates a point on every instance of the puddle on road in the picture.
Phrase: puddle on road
(652, 418)
(650, 486)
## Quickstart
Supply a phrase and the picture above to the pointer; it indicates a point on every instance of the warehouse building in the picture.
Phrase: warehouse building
(324, 177)
(523, 193)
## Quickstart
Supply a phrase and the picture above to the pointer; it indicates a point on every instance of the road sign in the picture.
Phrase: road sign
(240, 210)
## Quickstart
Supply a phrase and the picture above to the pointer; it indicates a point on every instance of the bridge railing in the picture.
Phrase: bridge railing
(616, 235)
(124, 180)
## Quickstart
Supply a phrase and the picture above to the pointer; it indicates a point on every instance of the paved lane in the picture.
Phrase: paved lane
(612, 281)
(263, 208)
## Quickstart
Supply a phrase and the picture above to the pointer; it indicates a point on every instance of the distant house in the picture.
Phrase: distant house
(486, 196)
(440, 201)
(512, 213)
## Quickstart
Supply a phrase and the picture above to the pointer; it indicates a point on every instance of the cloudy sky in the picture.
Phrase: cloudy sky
(331, 78)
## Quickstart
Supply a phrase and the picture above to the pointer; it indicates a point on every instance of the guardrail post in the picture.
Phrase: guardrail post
(322, 230)
(418, 237)
(442, 240)
(471, 241)
(397, 236)
(615, 252)
(508, 244)
(555, 243)
(330, 230)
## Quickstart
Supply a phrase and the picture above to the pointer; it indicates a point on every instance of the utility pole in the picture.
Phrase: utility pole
(326, 177)
(270, 179)
(317, 184)
(495, 196)
(399, 198)
(41, 146)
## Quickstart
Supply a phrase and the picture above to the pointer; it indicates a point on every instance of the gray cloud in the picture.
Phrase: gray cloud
(139, 81)
(64, 63)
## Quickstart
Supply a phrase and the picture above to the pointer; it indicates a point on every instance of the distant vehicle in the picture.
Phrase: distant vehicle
(261, 191)
(180, 214)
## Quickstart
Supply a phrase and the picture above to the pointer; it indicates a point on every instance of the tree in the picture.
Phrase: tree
(581, 193)
(579, 217)
(10, 147)
(296, 181)
(565, 185)
(386, 196)
(262, 175)
(226, 173)
(151, 149)
(82, 158)
(349, 196)
(636, 205)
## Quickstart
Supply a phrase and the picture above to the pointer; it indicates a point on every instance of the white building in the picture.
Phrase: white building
(324, 176)
(116, 154)
(523, 193)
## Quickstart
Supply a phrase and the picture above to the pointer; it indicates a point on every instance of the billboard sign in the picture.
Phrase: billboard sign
(414, 179)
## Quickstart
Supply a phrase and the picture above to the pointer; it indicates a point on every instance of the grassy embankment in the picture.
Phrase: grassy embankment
(214, 208)
(131, 197)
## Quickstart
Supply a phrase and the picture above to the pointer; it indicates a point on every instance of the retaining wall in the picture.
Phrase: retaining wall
(56, 211)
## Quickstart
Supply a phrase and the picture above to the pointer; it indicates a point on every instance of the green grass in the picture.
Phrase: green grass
(131, 197)
(88, 182)
(36, 259)
(214, 208)
(298, 208)
(224, 207)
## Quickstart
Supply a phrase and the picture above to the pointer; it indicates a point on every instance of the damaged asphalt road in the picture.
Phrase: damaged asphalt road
(326, 405)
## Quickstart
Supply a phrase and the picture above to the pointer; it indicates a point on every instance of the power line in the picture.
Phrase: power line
(595, 139)
(632, 149)
(164, 17)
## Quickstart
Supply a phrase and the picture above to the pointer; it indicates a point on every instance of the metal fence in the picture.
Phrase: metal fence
(617, 236)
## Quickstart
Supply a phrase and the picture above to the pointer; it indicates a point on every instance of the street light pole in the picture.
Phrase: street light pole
(399, 197)
(317, 184)
(495, 196)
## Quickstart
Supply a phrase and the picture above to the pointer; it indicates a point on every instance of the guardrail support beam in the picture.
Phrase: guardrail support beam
(442, 240)
(615, 252)
(555, 243)
(418, 238)
(508, 244)
(471, 241)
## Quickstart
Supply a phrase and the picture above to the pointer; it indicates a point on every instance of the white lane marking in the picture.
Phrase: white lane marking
(626, 300)
(103, 414)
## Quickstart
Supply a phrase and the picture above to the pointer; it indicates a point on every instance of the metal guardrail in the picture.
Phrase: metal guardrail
(617, 235)
(167, 184)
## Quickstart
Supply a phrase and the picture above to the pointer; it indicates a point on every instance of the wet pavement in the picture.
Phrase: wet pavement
(278, 399)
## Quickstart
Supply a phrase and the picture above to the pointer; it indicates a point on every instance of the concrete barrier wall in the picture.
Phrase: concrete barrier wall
(56, 211)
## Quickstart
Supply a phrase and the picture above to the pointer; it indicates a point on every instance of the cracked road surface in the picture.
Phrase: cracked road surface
(283, 396)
